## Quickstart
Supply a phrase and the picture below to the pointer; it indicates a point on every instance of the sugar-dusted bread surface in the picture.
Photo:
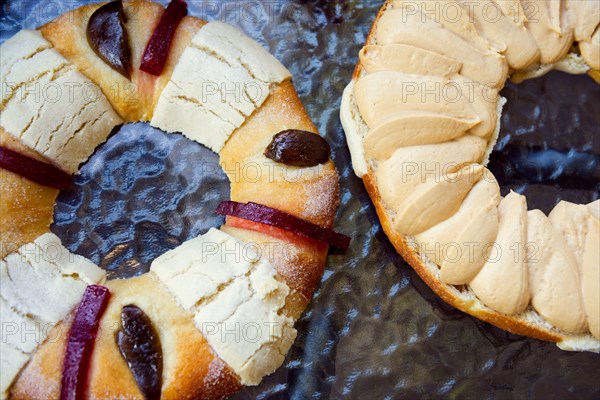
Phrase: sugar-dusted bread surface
(308, 193)
(27, 208)
(133, 100)
(192, 369)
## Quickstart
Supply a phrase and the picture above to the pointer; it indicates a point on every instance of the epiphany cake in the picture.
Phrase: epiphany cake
(421, 117)
(160, 334)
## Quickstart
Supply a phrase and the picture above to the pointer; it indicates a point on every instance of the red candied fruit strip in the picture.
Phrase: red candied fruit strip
(278, 233)
(270, 216)
(34, 170)
(157, 50)
(81, 340)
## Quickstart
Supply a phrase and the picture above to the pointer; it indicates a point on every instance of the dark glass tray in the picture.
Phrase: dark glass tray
(374, 330)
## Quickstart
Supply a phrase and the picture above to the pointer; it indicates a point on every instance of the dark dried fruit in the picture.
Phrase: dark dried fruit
(34, 170)
(270, 216)
(298, 148)
(157, 50)
(82, 336)
(107, 36)
(140, 347)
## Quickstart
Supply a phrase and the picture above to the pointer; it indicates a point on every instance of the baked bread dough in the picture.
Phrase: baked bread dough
(241, 276)
(410, 137)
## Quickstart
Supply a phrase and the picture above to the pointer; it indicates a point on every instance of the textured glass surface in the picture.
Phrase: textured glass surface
(374, 330)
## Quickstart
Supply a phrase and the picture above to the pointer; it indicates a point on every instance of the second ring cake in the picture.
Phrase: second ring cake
(421, 117)
(166, 333)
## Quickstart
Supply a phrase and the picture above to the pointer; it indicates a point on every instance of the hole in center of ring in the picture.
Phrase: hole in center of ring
(142, 193)
(549, 143)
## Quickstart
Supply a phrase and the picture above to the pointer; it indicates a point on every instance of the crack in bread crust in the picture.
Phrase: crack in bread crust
(199, 373)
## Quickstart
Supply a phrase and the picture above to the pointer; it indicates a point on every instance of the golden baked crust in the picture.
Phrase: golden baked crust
(447, 292)
(26, 207)
(313, 195)
(187, 357)
(452, 295)
(133, 100)
(191, 368)
(188, 360)
(371, 37)
(595, 74)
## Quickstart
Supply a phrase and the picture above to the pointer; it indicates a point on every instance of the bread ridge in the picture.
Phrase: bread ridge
(281, 110)
(465, 301)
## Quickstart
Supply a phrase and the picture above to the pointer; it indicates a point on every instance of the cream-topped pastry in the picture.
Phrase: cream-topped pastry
(460, 245)
(590, 276)
(503, 282)
(594, 208)
(483, 66)
(382, 94)
(546, 23)
(408, 59)
(420, 210)
(509, 37)
(580, 229)
(413, 128)
(553, 275)
(450, 15)
(586, 15)
(484, 101)
(408, 167)
(590, 49)
(404, 125)
(571, 220)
